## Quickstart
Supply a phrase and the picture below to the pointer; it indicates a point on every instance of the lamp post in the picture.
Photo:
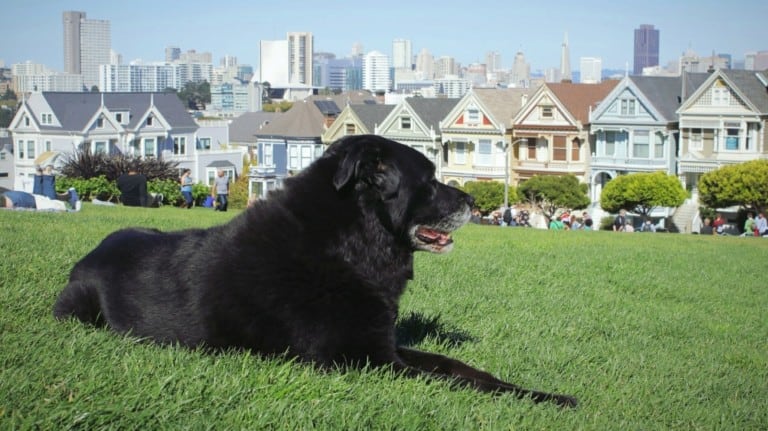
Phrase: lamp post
(505, 147)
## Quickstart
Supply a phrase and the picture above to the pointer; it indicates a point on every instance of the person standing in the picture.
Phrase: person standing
(186, 188)
(761, 225)
(220, 191)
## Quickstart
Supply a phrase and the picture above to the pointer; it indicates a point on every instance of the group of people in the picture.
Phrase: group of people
(133, 190)
(753, 226)
(623, 224)
(567, 221)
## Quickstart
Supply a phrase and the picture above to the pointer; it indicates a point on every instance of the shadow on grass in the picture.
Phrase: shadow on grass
(415, 327)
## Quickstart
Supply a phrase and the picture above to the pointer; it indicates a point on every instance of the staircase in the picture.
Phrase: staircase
(683, 217)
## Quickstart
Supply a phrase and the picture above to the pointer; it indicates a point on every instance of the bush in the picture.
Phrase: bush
(84, 164)
(199, 192)
(606, 223)
(91, 188)
(170, 189)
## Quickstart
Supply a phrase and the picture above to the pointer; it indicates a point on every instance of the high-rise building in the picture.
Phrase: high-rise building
(521, 72)
(646, 48)
(273, 62)
(300, 54)
(402, 55)
(565, 60)
(591, 70)
(493, 61)
(172, 53)
(376, 72)
(87, 45)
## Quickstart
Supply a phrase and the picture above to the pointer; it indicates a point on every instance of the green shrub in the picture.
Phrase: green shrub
(91, 188)
(606, 223)
(170, 189)
(199, 192)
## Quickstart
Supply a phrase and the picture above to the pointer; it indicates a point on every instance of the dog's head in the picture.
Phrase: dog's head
(397, 185)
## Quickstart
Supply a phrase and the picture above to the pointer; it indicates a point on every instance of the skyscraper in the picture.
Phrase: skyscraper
(87, 45)
(376, 72)
(565, 61)
(646, 48)
(591, 69)
(402, 56)
(300, 54)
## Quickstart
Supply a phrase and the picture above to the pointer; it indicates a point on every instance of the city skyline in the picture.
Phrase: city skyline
(143, 29)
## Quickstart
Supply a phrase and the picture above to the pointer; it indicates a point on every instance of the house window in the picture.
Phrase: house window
(461, 153)
(20, 152)
(299, 156)
(531, 149)
(100, 147)
(473, 116)
(349, 129)
(640, 144)
(576, 150)
(306, 155)
(211, 173)
(628, 106)
(610, 143)
(119, 117)
(484, 148)
(204, 144)
(559, 150)
(150, 120)
(46, 118)
(149, 147)
(100, 122)
(48, 145)
(26, 120)
(721, 96)
(732, 136)
(658, 147)
(269, 151)
(546, 112)
(696, 141)
(180, 145)
(30, 149)
(405, 123)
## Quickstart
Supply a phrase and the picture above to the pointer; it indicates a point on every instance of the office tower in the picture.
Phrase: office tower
(357, 50)
(376, 72)
(591, 70)
(646, 48)
(273, 62)
(87, 45)
(172, 53)
(565, 61)
(401, 54)
(300, 54)
(521, 72)
(425, 64)
(493, 61)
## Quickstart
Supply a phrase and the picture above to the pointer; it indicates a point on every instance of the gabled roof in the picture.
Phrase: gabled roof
(371, 115)
(431, 110)
(750, 84)
(663, 92)
(578, 99)
(74, 110)
(245, 127)
(691, 83)
(503, 104)
(303, 120)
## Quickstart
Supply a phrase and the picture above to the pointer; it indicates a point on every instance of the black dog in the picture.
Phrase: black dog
(314, 272)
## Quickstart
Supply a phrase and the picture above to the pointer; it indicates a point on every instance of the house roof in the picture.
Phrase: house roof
(752, 85)
(578, 99)
(75, 109)
(503, 103)
(663, 92)
(691, 82)
(245, 127)
(371, 115)
(303, 120)
(432, 110)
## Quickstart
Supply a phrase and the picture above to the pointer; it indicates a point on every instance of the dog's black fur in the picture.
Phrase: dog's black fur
(314, 272)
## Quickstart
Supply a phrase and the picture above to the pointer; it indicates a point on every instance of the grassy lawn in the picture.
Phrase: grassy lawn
(649, 331)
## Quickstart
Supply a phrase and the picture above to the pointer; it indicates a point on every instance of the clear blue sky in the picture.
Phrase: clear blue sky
(466, 30)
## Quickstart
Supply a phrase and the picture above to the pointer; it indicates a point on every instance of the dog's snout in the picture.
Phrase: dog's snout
(469, 200)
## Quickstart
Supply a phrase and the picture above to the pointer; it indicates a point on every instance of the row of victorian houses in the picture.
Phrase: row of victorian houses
(684, 126)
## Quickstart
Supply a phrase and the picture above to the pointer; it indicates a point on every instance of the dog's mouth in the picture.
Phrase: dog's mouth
(431, 239)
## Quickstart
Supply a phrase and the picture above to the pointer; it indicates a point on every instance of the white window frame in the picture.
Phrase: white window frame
(732, 132)
(641, 140)
(180, 145)
(547, 112)
(205, 143)
(405, 123)
(31, 153)
(696, 139)
(721, 96)
(146, 145)
(20, 149)
(472, 116)
(210, 175)
(460, 157)
(100, 147)
(609, 142)
(268, 155)
(484, 152)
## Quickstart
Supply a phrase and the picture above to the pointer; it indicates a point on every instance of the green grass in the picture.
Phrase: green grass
(649, 331)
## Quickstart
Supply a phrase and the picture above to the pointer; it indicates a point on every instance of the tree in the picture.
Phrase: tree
(488, 195)
(195, 95)
(642, 192)
(745, 184)
(553, 193)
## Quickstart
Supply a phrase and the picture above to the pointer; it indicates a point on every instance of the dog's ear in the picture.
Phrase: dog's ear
(356, 163)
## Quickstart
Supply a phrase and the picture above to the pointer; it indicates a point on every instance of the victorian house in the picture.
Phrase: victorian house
(550, 134)
(415, 122)
(724, 121)
(49, 125)
(475, 135)
(356, 119)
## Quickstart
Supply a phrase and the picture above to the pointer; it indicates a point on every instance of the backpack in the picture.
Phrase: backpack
(507, 217)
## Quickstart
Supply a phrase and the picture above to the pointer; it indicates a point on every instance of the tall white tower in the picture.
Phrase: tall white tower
(565, 61)
(402, 55)
(300, 54)
(87, 45)
(376, 72)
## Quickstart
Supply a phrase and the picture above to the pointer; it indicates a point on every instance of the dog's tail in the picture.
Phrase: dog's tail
(80, 300)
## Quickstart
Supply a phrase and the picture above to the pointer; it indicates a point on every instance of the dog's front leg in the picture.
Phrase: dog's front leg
(461, 373)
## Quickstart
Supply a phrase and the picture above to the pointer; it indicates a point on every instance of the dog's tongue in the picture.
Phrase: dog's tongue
(430, 236)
